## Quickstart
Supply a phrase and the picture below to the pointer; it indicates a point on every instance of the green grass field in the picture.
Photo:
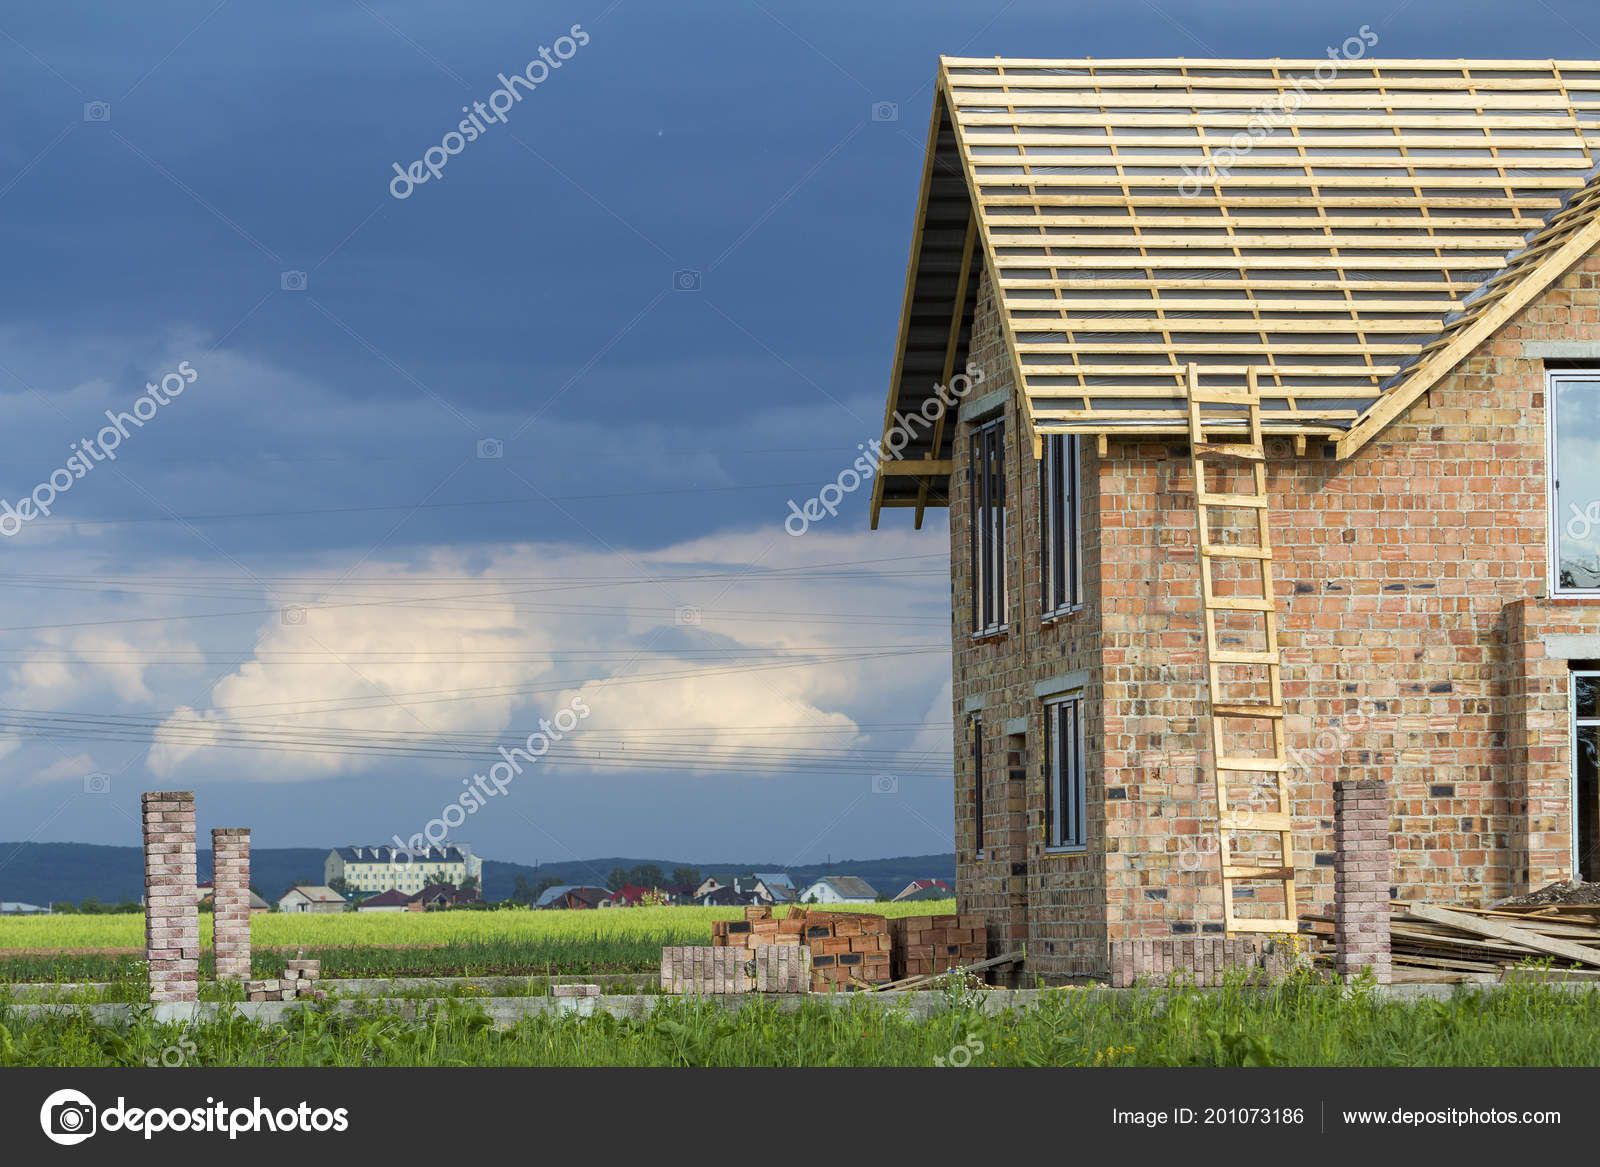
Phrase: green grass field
(1302, 1024)
(74, 948)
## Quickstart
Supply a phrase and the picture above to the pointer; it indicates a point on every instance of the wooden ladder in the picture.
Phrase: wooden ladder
(1231, 768)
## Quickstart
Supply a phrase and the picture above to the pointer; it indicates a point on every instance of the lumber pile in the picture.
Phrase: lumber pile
(922, 945)
(1432, 942)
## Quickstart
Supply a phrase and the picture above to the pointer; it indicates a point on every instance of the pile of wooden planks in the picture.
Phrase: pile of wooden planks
(1430, 942)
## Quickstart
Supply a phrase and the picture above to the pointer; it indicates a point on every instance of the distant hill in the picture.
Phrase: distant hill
(38, 873)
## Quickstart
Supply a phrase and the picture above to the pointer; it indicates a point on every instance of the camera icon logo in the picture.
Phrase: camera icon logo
(97, 111)
(885, 784)
(885, 111)
(293, 615)
(687, 616)
(491, 448)
(97, 783)
(292, 281)
(68, 1117)
(687, 280)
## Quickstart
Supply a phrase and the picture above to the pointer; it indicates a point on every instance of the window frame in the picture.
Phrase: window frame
(1060, 514)
(1554, 378)
(987, 528)
(1064, 788)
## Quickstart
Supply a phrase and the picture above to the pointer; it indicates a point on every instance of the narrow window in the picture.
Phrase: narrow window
(988, 528)
(1064, 773)
(1058, 514)
(1574, 487)
(975, 733)
(1585, 773)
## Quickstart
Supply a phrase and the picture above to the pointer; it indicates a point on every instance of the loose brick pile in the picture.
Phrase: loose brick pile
(848, 949)
(758, 929)
(171, 916)
(299, 980)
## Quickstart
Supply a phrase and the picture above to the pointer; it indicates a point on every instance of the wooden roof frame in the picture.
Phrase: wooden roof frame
(1429, 224)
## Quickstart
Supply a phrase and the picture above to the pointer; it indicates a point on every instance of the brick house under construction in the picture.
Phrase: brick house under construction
(1357, 304)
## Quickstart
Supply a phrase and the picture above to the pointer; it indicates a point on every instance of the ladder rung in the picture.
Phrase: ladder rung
(1284, 873)
(1254, 765)
(1227, 452)
(1238, 924)
(1225, 656)
(1226, 551)
(1274, 712)
(1258, 821)
(1241, 604)
(1233, 500)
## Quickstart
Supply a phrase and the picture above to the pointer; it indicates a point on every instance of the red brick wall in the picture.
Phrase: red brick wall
(1410, 581)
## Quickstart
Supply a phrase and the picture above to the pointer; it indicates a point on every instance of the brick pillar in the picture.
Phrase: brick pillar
(171, 916)
(230, 904)
(1361, 876)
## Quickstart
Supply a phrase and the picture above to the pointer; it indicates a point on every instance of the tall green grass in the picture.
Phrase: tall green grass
(1300, 1024)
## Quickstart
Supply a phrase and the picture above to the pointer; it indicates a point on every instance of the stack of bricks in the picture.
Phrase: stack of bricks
(171, 915)
(1361, 877)
(299, 980)
(848, 949)
(230, 902)
(783, 968)
(1203, 960)
(922, 945)
(757, 930)
(705, 972)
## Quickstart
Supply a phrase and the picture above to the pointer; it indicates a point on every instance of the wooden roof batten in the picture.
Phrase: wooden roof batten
(1347, 240)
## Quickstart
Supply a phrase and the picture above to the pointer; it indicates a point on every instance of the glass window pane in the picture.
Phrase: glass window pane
(1585, 692)
(1577, 473)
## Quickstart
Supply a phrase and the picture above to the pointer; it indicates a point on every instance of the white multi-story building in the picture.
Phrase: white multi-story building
(376, 869)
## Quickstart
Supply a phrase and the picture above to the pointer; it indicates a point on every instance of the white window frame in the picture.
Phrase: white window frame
(1575, 723)
(1066, 776)
(988, 534)
(1061, 462)
(1553, 380)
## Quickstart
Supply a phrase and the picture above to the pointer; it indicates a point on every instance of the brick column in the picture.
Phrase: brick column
(171, 916)
(230, 903)
(1361, 876)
